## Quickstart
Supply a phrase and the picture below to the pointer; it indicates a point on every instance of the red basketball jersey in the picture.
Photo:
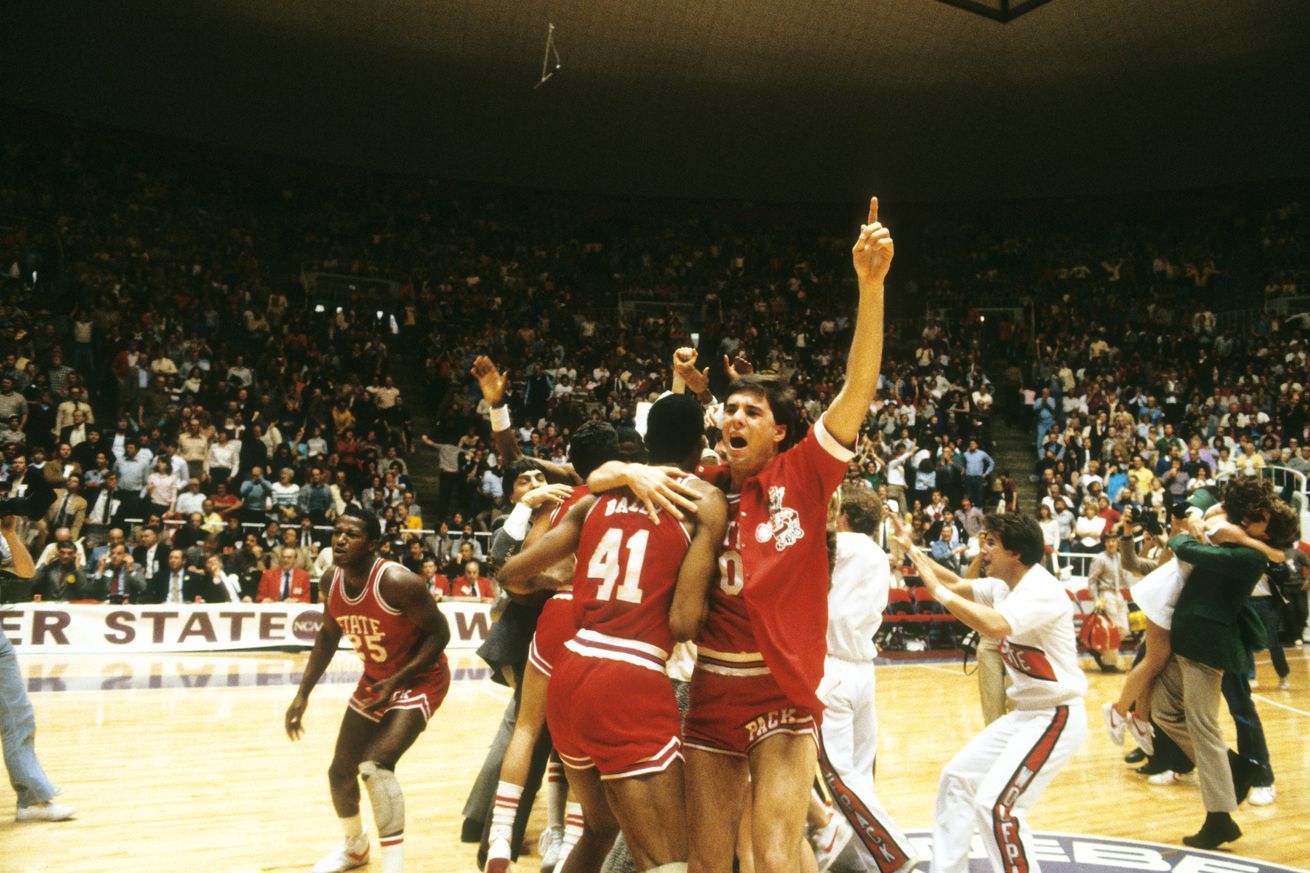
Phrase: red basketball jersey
(558, 513)
(624, 581)
(727, 627)
(382, 636)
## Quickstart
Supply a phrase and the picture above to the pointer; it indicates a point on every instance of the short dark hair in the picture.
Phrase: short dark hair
(629, 434)
(513, 470)
(594, 443)
(862, 508)
(675, 428)
(781, 400)
(1018, 533)
(372, 527)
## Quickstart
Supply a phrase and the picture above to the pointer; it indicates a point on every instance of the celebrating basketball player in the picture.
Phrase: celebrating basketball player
(392, 621)
(639, 585)
(754, 702)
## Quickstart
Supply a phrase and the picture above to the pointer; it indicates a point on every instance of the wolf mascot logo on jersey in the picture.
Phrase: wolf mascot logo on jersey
(784, 524)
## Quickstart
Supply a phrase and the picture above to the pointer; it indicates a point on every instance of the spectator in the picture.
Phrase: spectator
(63, 578)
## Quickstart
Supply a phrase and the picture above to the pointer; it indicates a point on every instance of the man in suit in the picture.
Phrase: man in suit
(174, 583)
(69, 508)
(106, 512)
(151, 554)
(61, 579)
(1207, 639)
(76, 433)
(218, 585)
(118, 579)
(285, 581)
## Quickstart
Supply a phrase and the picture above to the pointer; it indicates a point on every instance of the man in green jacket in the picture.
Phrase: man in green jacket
(1207, 639)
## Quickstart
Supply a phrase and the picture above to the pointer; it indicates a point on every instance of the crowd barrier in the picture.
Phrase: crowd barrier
(97, 628)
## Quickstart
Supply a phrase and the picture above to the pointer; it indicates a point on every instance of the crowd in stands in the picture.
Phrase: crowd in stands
(160, 345)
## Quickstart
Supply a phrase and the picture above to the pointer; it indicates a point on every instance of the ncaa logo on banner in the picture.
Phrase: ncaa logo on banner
(307, 625)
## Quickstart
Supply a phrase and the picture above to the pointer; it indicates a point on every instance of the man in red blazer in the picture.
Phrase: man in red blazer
(285, 581)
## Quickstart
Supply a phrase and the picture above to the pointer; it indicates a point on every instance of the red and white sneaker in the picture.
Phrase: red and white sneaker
(829, 840)
(1142, 733)
(1115, 723)
(352, 853)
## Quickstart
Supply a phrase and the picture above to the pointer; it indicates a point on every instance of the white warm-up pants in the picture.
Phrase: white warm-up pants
(848, 741)
(995, 780)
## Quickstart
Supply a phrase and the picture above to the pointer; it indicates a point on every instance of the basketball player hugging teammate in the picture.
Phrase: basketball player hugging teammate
(393, 623)
(754, 708)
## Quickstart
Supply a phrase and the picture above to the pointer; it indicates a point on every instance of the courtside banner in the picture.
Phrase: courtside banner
(71, 628)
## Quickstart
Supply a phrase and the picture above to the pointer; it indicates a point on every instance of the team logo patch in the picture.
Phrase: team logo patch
(784, 525)
(1083, 853)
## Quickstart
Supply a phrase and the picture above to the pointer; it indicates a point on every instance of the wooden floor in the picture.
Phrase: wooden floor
(180, 763)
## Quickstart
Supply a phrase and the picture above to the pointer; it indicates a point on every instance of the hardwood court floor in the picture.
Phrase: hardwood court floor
(180, 763)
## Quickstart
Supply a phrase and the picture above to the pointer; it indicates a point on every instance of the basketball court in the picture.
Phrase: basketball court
(180, 763)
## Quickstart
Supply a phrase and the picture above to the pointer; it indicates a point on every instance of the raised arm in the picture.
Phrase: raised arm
(494, 384)
(872, 256)
(700, 566)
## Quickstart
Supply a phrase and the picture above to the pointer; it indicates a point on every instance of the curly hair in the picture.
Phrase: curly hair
(1246, 498)
(1284, 526)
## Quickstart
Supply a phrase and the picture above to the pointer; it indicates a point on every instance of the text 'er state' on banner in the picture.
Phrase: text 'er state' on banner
(72, 628)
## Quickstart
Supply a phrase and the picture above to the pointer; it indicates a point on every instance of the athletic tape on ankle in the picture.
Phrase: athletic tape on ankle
(386, 798)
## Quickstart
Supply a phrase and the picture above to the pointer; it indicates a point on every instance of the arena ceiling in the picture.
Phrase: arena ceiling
(762, 99)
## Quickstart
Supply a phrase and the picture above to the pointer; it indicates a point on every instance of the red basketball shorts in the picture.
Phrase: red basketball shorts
(730, 714)
(617, 717)
(424, 694)
(555, 627)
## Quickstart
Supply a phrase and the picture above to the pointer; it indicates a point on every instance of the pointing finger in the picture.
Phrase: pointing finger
(873, 209)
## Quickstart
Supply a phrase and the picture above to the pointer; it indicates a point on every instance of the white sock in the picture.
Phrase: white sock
(504, 811)
(557, 792)
(352, 826)
(572, 827)
(393, 854)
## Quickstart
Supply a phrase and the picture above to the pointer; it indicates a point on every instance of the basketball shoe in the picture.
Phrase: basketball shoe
(498, 857)
(48, 811)
(548, 846)
(352, 853)
(829, 840)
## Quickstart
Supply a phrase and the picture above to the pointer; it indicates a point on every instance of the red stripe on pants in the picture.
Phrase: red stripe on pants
(1004, 827)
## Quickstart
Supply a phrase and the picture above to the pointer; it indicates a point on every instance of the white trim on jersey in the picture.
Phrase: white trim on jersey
(375, 579)
(830, 443)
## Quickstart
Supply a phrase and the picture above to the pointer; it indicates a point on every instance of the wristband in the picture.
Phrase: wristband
(946, 597)
(500, 417)
(520, 519)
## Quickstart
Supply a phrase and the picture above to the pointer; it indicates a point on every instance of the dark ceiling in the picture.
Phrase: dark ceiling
(764, 99)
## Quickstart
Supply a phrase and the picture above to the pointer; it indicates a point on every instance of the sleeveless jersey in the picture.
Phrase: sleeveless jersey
(382, 637)
(624, 581)
(726, 643)
(558, 513)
